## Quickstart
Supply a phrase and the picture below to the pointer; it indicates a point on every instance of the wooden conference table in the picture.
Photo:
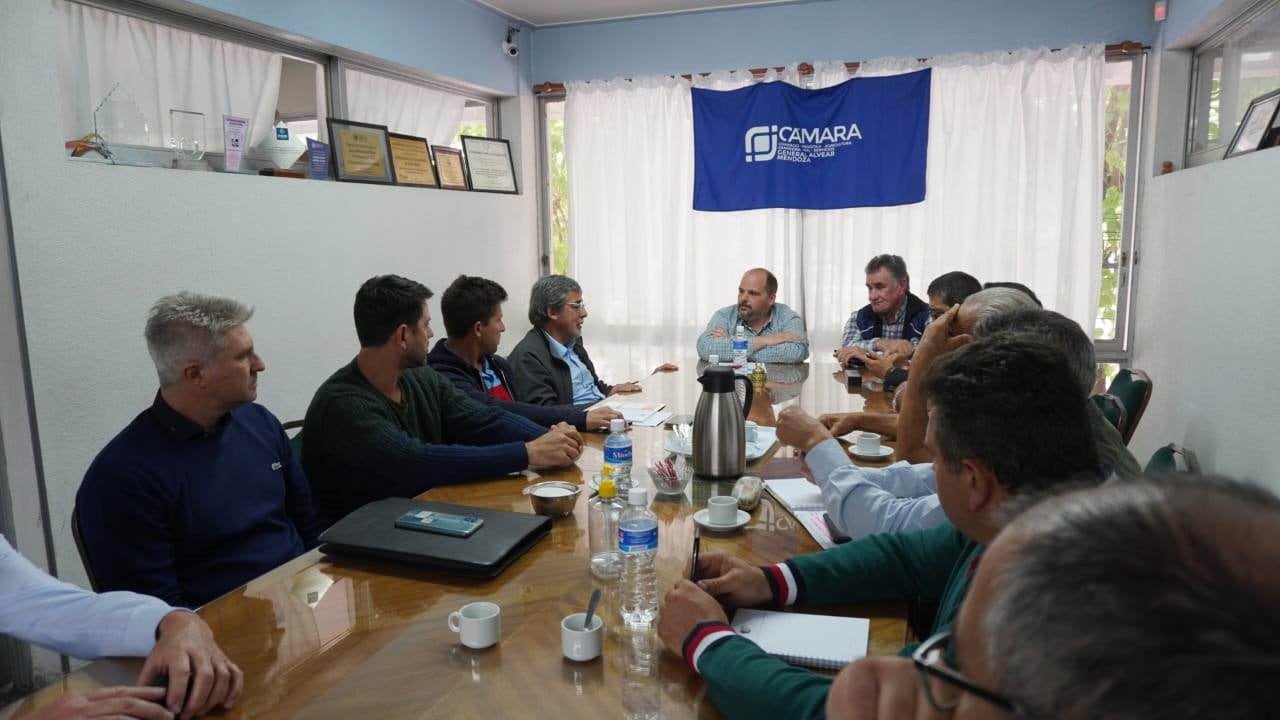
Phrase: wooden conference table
(326, 637)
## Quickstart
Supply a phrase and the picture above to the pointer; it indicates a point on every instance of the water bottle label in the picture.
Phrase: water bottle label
(740, 344)
(617, 455)
(638, 540)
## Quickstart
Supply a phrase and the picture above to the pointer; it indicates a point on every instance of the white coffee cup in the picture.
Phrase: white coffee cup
(713, 359)
(578, 643)
(753, 431)
(867, 443)
(722, 510)
(478, 624)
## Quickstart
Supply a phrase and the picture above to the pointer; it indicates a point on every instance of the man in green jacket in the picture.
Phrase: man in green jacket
(1005, 419)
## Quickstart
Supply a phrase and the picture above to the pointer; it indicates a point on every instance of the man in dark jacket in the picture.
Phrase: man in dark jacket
(892, 321)
(472, 310)
(552, 367)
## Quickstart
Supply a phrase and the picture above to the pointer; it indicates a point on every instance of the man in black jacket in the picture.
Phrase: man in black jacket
(552, 367)
(472, 310)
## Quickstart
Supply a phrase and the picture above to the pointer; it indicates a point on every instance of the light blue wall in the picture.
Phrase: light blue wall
(454, 38)
(827, 30)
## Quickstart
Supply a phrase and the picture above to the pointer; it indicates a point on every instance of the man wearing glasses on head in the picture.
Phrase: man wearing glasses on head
(1005, 420)
(1138, 599)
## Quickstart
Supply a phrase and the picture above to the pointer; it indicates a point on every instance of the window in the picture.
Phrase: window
(145, 86)
(556, 188)
(1239, 63)
(475, 122)
(1123, 78)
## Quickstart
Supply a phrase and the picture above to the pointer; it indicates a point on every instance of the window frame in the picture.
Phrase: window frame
(1120, 348)
(338, 89)
(544, 181)
(1204, 53)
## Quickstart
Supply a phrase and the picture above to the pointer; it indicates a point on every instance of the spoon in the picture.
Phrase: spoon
(591, 608)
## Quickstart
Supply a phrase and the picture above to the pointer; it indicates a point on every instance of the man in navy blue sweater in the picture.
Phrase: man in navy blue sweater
(472, 311)
(386, 426)
(201, 492)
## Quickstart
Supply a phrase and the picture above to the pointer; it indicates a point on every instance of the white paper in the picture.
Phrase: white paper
(234, 131)
(817, 527)
(638, 413)
(816, 640)
(796, 494)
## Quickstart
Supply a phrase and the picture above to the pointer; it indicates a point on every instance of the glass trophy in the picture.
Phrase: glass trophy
(187, 139)
(118, 122)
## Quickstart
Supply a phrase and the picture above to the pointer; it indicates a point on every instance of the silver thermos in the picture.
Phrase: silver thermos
(719, 425)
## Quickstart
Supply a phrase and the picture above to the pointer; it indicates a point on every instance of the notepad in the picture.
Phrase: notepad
(820, 641)
(796, 494)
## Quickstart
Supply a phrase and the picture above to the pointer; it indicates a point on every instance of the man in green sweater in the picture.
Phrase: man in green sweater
(1004, 419)
(385, 425)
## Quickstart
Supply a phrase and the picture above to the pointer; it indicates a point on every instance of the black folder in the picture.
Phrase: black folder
(371, 532)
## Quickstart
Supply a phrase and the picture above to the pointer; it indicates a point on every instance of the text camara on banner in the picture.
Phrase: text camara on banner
(774, 145)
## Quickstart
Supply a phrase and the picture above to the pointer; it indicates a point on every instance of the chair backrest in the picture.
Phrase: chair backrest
(296, 440)
(1133, 388)
(1112, 409)
(1173, 458)
(84, 556)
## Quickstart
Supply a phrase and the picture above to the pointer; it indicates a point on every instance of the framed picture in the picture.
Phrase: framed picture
(411, 158)
(1258, 128)
(489, 164)
(361, 152)
(453, 174)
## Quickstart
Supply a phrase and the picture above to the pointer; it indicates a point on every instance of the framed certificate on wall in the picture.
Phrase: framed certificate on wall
(411, 159)
(361, 152)
(489, 164)
(453, 174)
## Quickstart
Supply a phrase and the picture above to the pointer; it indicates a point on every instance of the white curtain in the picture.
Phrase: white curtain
(403, 107)
(1013, 193)
(159, 68)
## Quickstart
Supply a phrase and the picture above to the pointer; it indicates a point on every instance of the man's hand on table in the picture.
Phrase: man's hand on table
(896, 346)
(625, 388)
(731, 581)
(841, 424)
(569, 430)
(844, 354)
(665, 368)
(684, 608)
(880, 366)
(879, 687)
(598, 419)
(193, 665)
(556, 448)
(800, 430)
(141, 703)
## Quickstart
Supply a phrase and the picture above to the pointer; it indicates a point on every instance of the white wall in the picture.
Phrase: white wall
(96, 244)
(1207, 331)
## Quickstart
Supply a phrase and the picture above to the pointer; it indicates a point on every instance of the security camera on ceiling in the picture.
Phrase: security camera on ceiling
(509, 47)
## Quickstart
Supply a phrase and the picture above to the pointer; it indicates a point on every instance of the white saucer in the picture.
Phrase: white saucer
(884, 452)
(700, 517)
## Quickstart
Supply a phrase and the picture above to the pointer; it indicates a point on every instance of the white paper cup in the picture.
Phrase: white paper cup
(579, 644)
(753, 431)
(478, 624)
(722, 510)
(867, 443)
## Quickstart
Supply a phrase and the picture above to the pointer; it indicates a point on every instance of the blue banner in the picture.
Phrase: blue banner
(774, 145)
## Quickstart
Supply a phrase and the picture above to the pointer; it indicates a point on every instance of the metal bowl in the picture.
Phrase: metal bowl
(553, 498)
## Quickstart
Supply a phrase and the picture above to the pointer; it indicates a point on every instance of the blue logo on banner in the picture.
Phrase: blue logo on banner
(773, 145)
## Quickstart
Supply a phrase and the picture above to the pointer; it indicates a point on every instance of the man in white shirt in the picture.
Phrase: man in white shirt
(178, 645)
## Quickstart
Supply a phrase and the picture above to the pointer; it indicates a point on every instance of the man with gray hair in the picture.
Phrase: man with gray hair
(893, 320)
(551, 365)
(201, 492)
(1143, 599)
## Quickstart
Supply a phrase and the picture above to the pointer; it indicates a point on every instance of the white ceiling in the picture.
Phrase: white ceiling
(560, 12)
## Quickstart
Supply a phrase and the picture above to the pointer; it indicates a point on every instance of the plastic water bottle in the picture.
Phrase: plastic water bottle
(740, 346)
(617, 456)
(638, 546)
(603, 513)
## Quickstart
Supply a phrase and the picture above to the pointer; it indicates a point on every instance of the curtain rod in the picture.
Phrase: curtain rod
(1128, 47)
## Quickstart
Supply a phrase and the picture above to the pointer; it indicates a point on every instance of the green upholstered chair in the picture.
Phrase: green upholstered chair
(1133, 389)
(1173, 458)
(1112, 409)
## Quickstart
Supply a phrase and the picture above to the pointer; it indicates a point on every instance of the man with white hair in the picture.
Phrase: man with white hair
(201, 492)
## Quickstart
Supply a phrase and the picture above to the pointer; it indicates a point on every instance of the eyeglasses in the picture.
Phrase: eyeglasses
(579, 306)
(943, 686)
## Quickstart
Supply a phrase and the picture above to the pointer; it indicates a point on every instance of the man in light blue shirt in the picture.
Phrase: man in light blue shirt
(178, 645)
(864, 501)
(775, 332)
(584, 381)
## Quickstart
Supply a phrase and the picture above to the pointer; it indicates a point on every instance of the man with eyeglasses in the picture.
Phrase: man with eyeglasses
(551, 365)
(1140, 599)
(1005, 419)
